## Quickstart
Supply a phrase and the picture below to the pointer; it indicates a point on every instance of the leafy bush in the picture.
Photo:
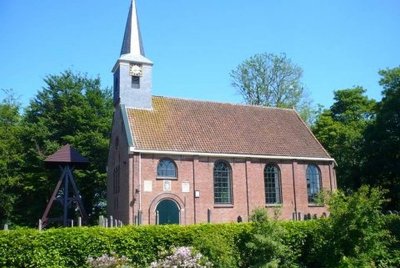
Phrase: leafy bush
(106, 261)
(267, 246)
(182, 257)
(71, 247)
(356, 234)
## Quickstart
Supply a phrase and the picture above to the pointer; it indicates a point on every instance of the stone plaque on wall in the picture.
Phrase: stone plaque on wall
(148, 186)
(185, 187)
(167, 185)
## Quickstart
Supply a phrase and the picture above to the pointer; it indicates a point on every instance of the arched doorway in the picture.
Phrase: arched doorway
(167, 212)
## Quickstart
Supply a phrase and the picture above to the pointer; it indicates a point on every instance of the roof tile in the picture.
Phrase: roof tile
(209, 127)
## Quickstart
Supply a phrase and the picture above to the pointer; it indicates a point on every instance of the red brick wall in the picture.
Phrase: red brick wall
(247, 188)
(118, 203)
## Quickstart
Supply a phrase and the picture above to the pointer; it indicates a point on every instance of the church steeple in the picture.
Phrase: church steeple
(132, 43)
(133, 71)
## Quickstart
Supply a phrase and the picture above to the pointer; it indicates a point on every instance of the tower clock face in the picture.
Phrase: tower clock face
(135, 70)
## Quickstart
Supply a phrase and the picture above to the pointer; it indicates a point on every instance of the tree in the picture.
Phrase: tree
(267, 246)
(271, 80)
(354, 235)
(340, 129)
(74, 109)
(10, 155)
(382, 140)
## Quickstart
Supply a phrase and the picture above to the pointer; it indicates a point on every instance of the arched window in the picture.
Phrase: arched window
(166, 169)
(313, 182)
(272, 184)
(222, 183)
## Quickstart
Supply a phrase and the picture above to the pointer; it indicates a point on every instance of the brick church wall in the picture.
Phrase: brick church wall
(248, 189)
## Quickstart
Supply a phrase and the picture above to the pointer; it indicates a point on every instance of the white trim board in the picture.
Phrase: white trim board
(222, 155)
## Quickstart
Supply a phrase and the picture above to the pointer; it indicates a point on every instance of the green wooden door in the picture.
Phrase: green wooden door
(168, 212)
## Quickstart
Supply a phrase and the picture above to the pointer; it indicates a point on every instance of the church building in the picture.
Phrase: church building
(185, 161)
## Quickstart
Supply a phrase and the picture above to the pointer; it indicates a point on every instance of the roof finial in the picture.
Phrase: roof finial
(132, 43)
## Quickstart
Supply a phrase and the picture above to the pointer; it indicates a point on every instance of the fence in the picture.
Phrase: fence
(103, 221)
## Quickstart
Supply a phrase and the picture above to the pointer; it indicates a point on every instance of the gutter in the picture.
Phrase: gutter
(222, 155)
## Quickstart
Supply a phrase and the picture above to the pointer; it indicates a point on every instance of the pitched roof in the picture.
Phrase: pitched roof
(207, 127)
(66, 155)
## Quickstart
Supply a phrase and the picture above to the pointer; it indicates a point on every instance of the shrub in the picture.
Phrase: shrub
(106, 261)
(354, 235)
(182, 257)
(266, 246)
(71, 247)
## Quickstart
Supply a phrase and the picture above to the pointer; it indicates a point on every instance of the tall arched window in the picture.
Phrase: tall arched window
(222, 183)
(313, 183)
(166, 169)
(272, 184)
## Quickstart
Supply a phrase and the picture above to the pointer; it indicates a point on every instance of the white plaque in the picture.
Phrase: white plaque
(167, 186)
(148, 186)
(185, 187)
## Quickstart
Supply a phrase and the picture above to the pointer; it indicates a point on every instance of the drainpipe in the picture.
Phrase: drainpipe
(193, 192)
(247, 191)
(140, 190)
(294, 192)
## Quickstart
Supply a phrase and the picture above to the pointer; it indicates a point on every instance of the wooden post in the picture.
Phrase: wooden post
(209, 215)
(66, 192)
(72, 223)
(79, 221)
(106, 222)
(40, 224)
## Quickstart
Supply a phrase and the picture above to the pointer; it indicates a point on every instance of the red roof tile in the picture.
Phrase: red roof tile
(208, 127)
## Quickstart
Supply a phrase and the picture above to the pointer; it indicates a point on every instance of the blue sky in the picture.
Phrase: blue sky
(195, 44)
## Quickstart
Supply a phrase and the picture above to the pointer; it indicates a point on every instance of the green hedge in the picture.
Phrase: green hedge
(225, 245)
(70, 247)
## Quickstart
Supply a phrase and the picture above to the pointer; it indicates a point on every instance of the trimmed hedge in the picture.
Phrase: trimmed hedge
(223, 244)
(70, 247)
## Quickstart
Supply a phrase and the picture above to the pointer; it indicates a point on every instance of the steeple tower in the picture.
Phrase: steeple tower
(133, 71)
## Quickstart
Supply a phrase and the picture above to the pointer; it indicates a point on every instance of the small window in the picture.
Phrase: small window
(116, 180)
(116, 86)
(116, 143)
(135, 81)
(313, 183)
(272, 184)
(166, 169)
(222, 183)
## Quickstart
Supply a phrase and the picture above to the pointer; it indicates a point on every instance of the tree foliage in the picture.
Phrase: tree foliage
(340, 129)
(355, 234)
(382, 140)
(271, 80)
(267, 245)
(10, 155)
(71, 108)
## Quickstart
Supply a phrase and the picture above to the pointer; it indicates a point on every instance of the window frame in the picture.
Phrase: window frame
(277, 189)
(228, 189)
(313, 183)
(167, 177)
(135, 82)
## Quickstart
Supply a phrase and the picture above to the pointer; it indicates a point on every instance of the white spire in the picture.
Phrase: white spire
(132, 46)
(133, 71)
